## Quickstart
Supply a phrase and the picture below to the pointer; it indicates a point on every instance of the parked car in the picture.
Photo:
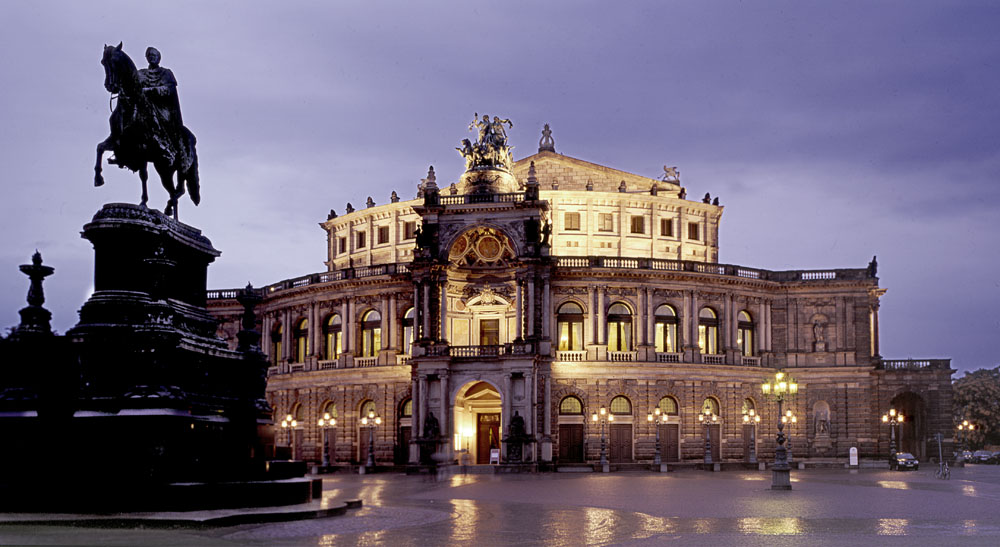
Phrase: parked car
(967, 455)
(980, 456)
(905, 460)
(994, 458)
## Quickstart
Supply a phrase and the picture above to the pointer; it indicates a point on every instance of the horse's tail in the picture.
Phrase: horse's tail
(191, 178)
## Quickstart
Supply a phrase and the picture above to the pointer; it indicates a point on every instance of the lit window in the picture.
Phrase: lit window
(572, 221)
(301, 335)
(406, 411)
(371, 334)
(366, 407)
(668, 406)
(665, 336)
(748, 405)
(383, 234)
(693, 231)
(638, 224)
(711, 405)
(619, 328)
(744, 334)
(571, 405)
(408, 330)
(621, 406)
(569, 322)
(605, 222)
(666, 227)
(708, 331)
(333, 333)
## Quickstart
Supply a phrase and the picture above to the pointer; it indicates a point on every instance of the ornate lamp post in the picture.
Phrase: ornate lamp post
(963, 429)
(893, 418)
(656, 418)
(779, 388)
(752, 418)
(603, 417)
(708, 418)
(325, 423)
(371, 421)
(287, 424)
(789, 418)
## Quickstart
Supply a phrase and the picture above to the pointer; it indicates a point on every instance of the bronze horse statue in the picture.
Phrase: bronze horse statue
(140, 135)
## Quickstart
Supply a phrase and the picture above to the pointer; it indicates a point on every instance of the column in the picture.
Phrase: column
(531, 306)
(415, 401)
(444, 310)
(445, 419)
(391, 335)
(286, 335)
(640, 323)
(349, 321)
(591, 318)
(650, 318)
(518, 312)
(416, 311)
(762, 328)
(423, 402)
(726, 320)
(266, 336)
(384, 324)
(600, 316)
(426, 309)
(769, 327)
(546, 310)
(548, 406)
(346, 344)
(505, 411)
(314, 329)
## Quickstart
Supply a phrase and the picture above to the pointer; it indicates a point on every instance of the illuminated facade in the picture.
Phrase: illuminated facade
(550, 287)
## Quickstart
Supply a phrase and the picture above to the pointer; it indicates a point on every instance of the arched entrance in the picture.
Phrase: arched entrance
(911, 435)
(477, 422)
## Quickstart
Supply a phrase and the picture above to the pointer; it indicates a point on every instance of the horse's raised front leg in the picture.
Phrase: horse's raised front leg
(144, 176)
(167, 179)
(102, 147)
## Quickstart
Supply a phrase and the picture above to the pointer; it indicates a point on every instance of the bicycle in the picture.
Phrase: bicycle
(943, 471)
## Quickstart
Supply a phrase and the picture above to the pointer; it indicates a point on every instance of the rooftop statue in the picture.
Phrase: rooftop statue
(146, 126)
(490, 151)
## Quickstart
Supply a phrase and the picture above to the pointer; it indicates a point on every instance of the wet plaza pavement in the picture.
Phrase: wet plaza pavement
(825, 507)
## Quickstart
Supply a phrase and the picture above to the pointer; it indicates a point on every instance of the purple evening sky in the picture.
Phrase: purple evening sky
(832, 131)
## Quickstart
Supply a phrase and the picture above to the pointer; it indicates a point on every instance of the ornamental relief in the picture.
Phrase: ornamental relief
(709, 296)
(482, 247)
(620, 291)
(669, 293)
(571, 290)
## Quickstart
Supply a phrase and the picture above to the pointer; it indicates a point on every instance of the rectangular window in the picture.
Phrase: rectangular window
(343, 244)
(489, 332)
(638, 224)
(572, 221)
(361, 240)
(383, 234)
(605, 222)
(409, 230)
(666, 227)
(693, 231)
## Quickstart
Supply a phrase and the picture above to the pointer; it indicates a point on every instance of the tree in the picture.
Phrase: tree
(976, 397)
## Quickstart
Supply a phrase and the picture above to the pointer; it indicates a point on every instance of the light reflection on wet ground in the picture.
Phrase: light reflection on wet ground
(826, 507)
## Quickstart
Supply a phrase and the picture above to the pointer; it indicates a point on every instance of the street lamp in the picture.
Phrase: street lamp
(326, 422)
(604, 417)
(287, 424)
(963, 429)
(778, 389)
(708, 418)
(789, 418)
(656, 418)
(752, 418)
(371, 421)
(893, 418)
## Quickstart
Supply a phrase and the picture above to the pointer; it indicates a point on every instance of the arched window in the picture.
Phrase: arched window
(711, 405)
(367, 406)
(668, 406)
(408, 330)
(620, 406)
(406, 409)
(708, 331)
(329, 409)
(296, 413)
(744, 334)
(748, 405)
(665, 337)
(276, 335)
(619, 328)
(571, 405)
(569, 321)
(301, 335)
(371, 334)
(333, 331)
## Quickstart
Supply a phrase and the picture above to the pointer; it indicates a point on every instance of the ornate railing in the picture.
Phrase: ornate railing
(571, 356)
(668, 357)
(915, 364)
(621, 356)
(358, 272)
(365, 362)
(327, 365)
(710, 359)
(466, 199)
(750, 361)
(614, 262)
(476, 352)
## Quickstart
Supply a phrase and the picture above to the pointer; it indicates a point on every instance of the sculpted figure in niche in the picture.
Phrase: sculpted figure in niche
(818, 332)
(432, 429)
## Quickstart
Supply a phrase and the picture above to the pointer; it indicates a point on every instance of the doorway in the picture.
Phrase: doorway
(487, 436)
(571, 443)
(670, 442)
(489, 332)
(620, 445)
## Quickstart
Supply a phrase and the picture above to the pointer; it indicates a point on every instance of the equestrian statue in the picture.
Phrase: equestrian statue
(146, 127)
